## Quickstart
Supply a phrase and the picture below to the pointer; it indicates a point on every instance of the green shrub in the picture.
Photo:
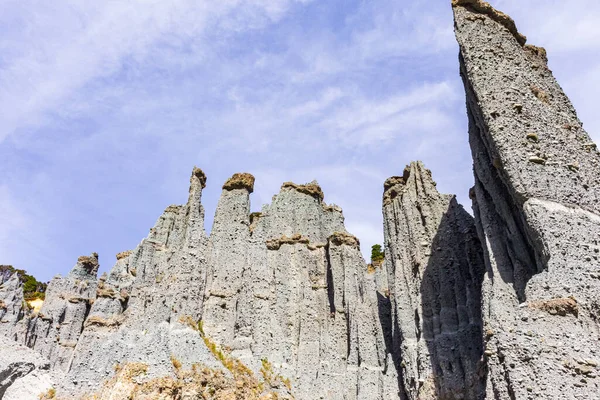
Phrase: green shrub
(377, 255)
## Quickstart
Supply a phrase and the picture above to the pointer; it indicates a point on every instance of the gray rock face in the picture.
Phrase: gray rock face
(505, 305)
(146, 304)
(435, 267)
(288, 285)
(537, 209)
(54, 332)
(12, 308)
(24, 374)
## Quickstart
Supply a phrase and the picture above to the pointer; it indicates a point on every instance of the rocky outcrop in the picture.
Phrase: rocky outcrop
(12, 308)
(537, 207)
(435, 267)
(147, 307)
(287, 288)
(280, 303)
(55, 330)
(24, 374)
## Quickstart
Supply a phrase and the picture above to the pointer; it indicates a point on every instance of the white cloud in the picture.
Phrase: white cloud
(107, 105)
(70, 44)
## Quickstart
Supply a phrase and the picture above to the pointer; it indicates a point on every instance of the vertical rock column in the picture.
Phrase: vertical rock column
(435, 267)
(228, 256)
(315, 318)
(537, 207)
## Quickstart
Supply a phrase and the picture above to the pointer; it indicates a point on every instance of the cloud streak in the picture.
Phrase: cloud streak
(108, 105)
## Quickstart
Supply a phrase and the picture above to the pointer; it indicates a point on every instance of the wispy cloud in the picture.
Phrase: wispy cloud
(107, 105)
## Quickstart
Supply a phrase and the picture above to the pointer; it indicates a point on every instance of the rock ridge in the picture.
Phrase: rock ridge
(503, 305)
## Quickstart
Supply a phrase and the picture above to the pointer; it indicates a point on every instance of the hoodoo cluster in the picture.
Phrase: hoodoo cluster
(501, 305)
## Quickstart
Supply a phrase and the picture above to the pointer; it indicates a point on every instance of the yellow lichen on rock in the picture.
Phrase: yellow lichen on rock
(311, 189)
(562, 306)
(275, 244)
(240, 180)
(200, 175)
(340, 238)
(123, 254)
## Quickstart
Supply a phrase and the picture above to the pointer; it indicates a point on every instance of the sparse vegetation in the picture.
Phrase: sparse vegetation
(377, 254)
(540, 94)
(200, 382)
(32, 288)
(240, 181)
(49, 394)
(176, 363)
(311, 189)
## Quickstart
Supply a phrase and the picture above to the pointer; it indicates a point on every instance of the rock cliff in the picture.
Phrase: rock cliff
(537, 210)
(504, 304)
(284, 294)
(435, 267)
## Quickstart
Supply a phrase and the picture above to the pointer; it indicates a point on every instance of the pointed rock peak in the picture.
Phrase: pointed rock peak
(483, 7)
(86, 267)
(240, 180)
(396, 185)
(123, 254)
(397, 180)
(340, 238)
(198, 178)
(312, 189)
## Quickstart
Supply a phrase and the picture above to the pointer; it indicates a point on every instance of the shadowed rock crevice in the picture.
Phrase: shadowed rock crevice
(501, 212)
(451, 296)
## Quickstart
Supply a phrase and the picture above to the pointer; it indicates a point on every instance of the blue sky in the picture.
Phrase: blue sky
(107, 106)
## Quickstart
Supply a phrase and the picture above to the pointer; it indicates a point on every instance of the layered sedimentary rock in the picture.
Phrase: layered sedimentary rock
(435, 267)
(280, 303)
(537, 205)
(146, 304)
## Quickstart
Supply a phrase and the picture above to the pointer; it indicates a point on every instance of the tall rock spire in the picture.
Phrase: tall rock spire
(228, 256)
(435, 267)
(537, 207)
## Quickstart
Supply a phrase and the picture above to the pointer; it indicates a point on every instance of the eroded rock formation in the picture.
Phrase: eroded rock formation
(435, 267)
(280, 303)
(12, 308)
(537, 207)
(287, 287)
(55, 331)
(24, 374)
